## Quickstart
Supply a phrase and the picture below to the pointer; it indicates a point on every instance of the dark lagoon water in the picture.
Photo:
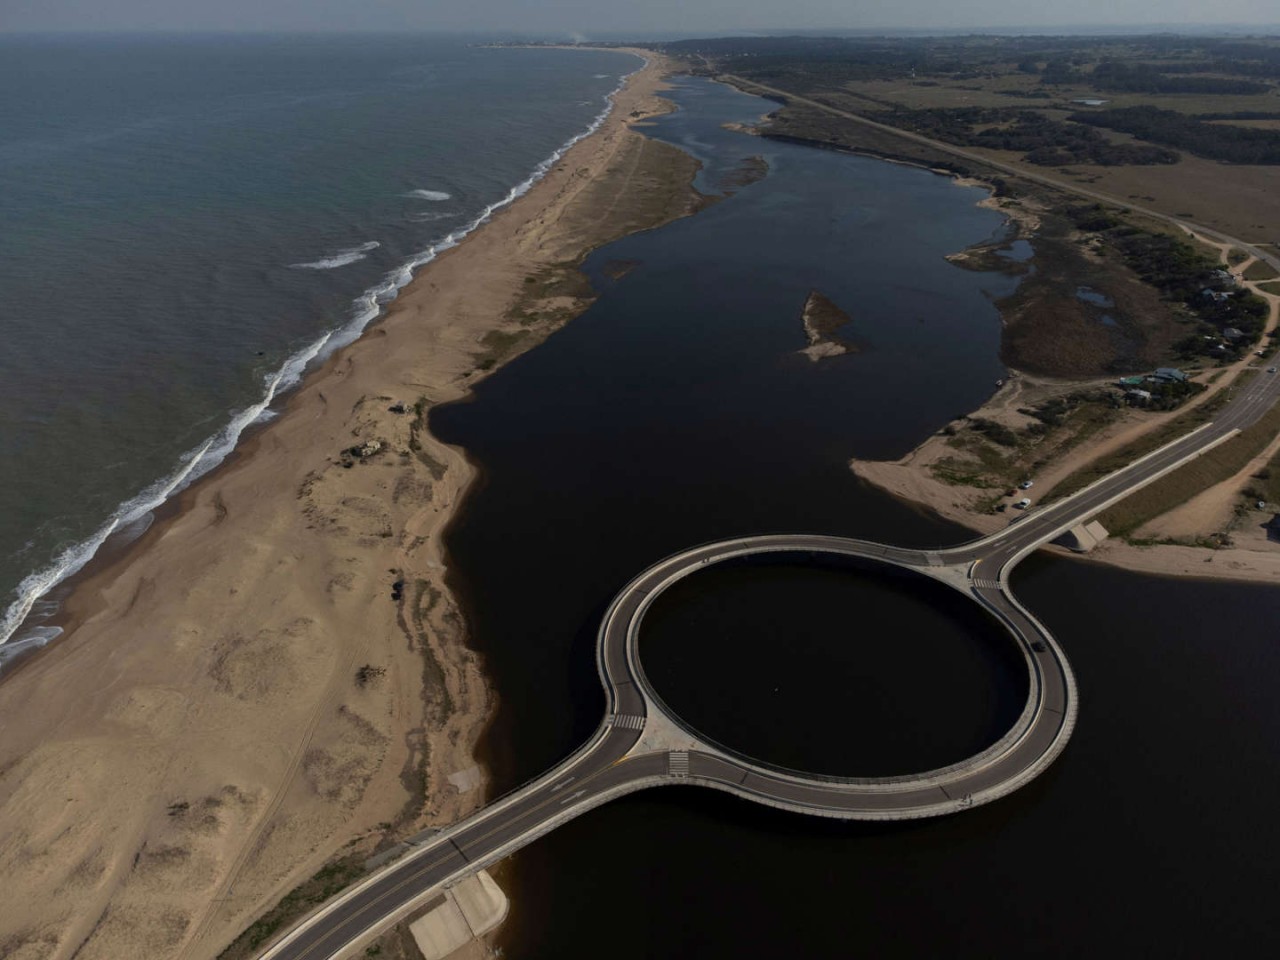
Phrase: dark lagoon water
(189, 222)
(834, 667)
(676, 411)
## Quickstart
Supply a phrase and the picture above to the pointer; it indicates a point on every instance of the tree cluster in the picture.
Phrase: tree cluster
(1045, 141)
(1182, 274)
(1173, 129)
(1113, 76)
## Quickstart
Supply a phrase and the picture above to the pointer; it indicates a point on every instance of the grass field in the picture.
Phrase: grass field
(1221, 463)
(1260, 271)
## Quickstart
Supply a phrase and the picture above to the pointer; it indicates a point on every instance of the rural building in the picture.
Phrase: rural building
(1139, 396)
(1170, 375)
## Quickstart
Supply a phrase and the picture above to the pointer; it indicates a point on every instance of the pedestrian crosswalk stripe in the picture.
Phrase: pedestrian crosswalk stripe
(678, 763)
(986, 584)
(628, 721)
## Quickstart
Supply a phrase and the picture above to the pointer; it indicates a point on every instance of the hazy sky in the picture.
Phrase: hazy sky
(610, 16)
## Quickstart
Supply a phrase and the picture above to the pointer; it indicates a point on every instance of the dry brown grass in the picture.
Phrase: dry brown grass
(1050, 330)
(1252, 124)
(1260, 270)
(985, 464)
(1243, 201)
(1267, 481)
(1221, 463)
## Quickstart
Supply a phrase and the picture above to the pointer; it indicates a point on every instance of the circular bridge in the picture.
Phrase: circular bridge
(1028, 747)
(642, 744)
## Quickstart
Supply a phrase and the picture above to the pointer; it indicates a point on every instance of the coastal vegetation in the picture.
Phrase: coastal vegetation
(1186, 277)
(1214, 141)
(1265, 485)
(1217, 465)
(1042, 139)
(825, 327)
(1081, 314)
(1152, 440)
(997, 454)
(327, 882)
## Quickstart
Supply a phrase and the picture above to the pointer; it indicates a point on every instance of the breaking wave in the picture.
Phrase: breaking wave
(353, 255)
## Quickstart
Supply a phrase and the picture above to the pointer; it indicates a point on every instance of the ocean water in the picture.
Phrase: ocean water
(189, 223)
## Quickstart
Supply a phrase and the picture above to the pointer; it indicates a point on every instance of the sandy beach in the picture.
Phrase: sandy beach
(276, 673)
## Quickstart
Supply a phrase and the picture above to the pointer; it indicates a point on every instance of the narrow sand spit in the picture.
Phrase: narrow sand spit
(276, 671)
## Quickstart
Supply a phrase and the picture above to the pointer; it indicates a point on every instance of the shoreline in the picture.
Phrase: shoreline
(298, 588)
(370, 306)
(909, 481)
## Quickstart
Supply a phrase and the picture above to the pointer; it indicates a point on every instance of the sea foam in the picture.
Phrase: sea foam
(342, 259)
(199, 461)
(430, 216)
(435, 196)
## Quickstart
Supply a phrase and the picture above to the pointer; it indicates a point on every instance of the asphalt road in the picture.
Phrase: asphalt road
(640, 744)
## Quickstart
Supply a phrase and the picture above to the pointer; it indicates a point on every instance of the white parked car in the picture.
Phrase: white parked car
(1026, 484)
(1022, 504)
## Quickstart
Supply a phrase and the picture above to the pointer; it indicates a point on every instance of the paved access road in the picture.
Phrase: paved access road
(641, 744)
